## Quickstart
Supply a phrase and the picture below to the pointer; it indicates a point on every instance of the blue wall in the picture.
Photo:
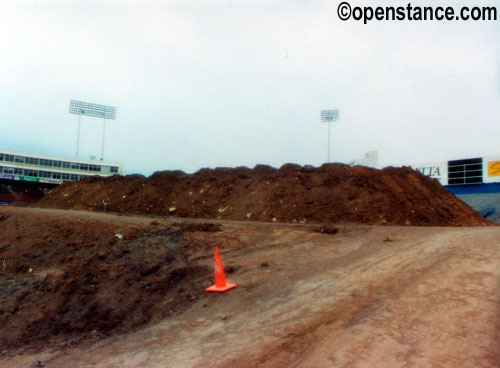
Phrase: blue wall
(474, 188)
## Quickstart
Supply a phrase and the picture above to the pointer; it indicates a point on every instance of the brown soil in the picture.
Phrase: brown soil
(66, 279)
(332, 193)
(75, 294)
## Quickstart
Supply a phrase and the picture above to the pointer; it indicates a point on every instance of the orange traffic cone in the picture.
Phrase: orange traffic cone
(220, 280)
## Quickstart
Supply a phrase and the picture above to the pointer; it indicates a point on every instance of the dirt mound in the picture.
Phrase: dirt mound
(67, 279)
(332, 193)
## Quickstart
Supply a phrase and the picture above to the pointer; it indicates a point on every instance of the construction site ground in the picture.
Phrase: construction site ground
(87, 289)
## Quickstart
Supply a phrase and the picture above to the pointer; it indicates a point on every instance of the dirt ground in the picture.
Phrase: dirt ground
(86, 289)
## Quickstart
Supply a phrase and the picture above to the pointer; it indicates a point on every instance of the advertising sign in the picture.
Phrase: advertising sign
(494, 168)
(435, 170)
(29, 178)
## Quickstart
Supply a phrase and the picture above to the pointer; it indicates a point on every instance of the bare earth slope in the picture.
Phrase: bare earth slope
(307, 296)
(332, 193)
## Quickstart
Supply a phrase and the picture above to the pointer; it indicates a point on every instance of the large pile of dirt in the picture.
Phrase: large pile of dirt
(63, 279)
(332, 193)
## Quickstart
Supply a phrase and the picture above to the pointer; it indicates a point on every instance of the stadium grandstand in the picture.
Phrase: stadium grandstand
(25, 177)
(476, 181)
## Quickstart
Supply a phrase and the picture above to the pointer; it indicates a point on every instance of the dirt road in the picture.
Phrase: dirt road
(361, 297)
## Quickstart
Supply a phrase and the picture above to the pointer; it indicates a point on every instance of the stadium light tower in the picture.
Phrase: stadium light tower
(328, 116)
(94, 110)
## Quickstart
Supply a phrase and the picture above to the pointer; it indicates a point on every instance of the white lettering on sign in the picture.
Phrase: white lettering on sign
(432, 171)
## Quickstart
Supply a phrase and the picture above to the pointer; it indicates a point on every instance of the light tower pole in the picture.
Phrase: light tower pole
(329, 116)
(94, 110)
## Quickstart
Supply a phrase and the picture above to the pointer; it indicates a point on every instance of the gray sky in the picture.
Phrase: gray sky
(230, 83)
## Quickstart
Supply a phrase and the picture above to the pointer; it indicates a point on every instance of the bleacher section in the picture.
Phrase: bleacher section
(484, 198)
(26, 177)
(487, 204)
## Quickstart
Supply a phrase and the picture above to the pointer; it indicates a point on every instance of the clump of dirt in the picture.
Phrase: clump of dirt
(64, 280)
(332, 193)
(326, 230)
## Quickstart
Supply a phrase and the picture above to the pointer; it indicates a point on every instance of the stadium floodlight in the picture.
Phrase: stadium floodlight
(91, 109)
(329, 116)
(94, 110)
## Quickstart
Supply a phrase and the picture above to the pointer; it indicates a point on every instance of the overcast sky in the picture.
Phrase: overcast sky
(237, 83)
